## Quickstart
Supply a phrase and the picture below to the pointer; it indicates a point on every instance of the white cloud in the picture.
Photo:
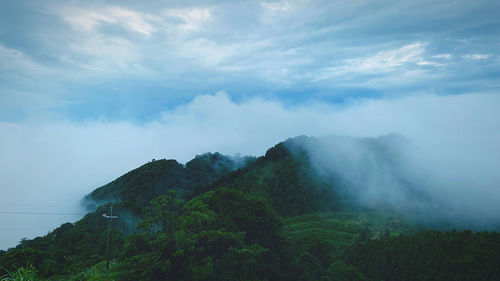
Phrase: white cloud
(388, 60)
(192, 19)
(132, 20)
(88, 19)
(276, 7)
(96, 51)
(308, 45)
(207, 52)
(475, 56)
(445, 56)
(274, 11)
(83, 19)
(105, 53)
(403, 59)
(14, 60)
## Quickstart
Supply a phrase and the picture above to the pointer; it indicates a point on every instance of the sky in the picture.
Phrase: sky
(92, 89)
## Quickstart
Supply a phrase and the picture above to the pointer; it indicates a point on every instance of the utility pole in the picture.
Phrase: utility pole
(110, 217)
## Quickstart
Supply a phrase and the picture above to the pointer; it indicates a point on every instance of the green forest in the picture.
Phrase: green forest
(268, 218)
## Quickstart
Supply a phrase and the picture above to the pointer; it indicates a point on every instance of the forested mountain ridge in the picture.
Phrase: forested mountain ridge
(283, 175)
(276, 217)
(141, 185)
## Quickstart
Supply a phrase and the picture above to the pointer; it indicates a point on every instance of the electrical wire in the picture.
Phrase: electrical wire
(41, 213)
(39, 205)
(21, 229)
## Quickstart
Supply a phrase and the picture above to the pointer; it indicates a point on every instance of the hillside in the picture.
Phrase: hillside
(291, 214)
(141, 185)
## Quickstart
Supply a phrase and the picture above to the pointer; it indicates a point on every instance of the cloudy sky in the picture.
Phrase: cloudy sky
(92, 89)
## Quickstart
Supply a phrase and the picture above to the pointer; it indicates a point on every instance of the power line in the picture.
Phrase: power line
(39, 205)
(40, 213)
(22, 229)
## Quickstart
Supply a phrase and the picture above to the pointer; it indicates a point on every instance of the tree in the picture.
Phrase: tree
(162, 216)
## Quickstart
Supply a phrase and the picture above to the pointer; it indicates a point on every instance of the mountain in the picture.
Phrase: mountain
(309, 209)
(284, 176)
(141, 185)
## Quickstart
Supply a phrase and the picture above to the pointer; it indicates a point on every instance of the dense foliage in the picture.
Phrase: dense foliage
(141, 185)
(270, 218)
(220, 235)
(286, 179)
(430, 255)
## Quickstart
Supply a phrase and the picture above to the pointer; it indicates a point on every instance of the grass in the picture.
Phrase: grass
(95, 273)
(22, 274)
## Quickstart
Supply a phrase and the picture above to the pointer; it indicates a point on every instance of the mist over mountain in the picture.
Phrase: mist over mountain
(373, 129)
(391, 170)
(455, 135)
(332, 172)
(307, 209)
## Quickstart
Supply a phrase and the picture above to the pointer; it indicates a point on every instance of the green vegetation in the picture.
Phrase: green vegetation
(21, 274)
(220, 235)
(141, 185)
(271, 218)
(286, 179)
(429, 255)
(95, 273)
(319, 241)
(66, 250)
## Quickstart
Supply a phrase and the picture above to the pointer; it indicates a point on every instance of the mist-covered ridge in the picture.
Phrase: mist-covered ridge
(306, 174)
(306, 209)
(391, 171)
